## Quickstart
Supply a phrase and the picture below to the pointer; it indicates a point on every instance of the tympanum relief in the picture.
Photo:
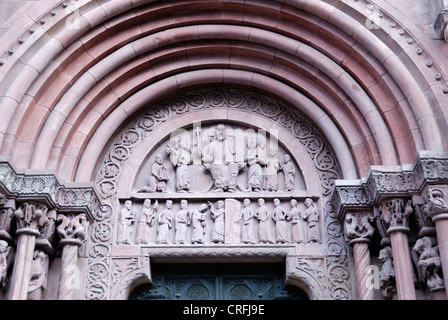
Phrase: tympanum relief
(219, 184)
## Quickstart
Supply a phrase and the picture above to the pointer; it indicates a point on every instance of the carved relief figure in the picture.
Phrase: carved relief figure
(47, 226)
(217, 214)
(72, 226)
(264, 228)
(145, 221)
(429, 264)
(387, 273)
(248, 221)
(298, 229)
(281, 219)
(6, 215)
(218, 158)
(271, 172)
(158, 178)
(126, 223)
(255, 159)
(198, 222)
(5, 260)
(435, 202)
(358, 226)
(311, 215)
(182, 219)
(396, 213)
(180, 156)
(38, 275)
(165, 223)
(289, 170)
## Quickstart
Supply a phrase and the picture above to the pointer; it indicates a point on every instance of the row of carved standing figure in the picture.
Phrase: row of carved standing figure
(292, 226)
(218, 158)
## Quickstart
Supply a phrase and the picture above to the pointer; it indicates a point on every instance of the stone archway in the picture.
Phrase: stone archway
(130, 155)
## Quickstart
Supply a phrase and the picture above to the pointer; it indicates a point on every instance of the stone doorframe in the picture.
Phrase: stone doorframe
(129, 270)
(113, 271)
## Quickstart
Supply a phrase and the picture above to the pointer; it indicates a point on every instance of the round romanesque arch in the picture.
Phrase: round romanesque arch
(90, 89)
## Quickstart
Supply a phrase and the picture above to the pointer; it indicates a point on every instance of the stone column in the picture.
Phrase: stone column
(29, 218)
(395, 213)
(72, 231)
(437, 208)
(358, 231)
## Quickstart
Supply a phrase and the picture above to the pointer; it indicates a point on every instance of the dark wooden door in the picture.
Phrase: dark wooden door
(223, 281)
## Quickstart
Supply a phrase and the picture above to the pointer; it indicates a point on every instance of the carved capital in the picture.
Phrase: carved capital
(31, 217)
(395, 213)
(358, 228)
(436, 201)
(72, 228)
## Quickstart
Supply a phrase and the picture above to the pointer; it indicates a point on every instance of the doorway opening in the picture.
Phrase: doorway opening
(218, 281)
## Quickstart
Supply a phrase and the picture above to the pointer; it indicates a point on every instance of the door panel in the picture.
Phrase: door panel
(218, 282)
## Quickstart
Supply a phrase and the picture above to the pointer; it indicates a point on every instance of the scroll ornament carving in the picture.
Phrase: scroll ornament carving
(310, 272)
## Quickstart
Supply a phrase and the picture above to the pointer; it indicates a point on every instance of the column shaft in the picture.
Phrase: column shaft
(403, 266)
(361, 255)
(441, 222)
